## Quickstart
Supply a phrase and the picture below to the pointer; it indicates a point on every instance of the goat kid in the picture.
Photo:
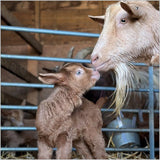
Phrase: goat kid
(65, 117)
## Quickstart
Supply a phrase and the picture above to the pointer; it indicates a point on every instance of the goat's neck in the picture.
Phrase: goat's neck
(67, 93)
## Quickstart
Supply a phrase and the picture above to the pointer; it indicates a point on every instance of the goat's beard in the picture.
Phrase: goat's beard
(124, 81)
(128, 77)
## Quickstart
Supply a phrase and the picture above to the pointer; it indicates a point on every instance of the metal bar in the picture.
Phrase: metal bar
(129, 110)
(45, 58)
(103, 109)
(18, 128)
(54, 59)
(19, 149)
(151, 113)
(107, 149)
(19, 107)
(127, 130)
(103, 129)
(30, 85)
(35, 85)
(129, 149)
(49, 31)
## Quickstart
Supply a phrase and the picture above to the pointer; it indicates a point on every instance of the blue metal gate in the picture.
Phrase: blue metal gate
(150, 90)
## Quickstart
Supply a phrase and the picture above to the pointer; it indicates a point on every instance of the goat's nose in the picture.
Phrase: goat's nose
(94, 59)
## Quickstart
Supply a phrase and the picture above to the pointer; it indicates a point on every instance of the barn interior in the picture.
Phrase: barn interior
(54, 15)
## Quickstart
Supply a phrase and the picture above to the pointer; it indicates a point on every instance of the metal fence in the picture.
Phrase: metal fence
(150, 90)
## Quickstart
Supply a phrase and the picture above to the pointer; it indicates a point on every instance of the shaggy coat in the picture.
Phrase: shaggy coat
(65, 118)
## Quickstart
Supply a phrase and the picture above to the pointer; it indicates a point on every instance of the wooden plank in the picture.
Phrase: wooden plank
(37, 18)
(12, 20)
(76, 20)
(32, 96)
(18, 49)
(18, 70)
(7, 99)
(32, 66)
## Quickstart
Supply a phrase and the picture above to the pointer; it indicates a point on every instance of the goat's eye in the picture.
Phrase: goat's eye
(123, 20)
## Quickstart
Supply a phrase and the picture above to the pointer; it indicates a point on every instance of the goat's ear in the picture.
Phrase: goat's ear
(99, 19)
(131, 9)
(51, 78)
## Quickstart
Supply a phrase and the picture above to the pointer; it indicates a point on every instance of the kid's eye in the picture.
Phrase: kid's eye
(78, 72)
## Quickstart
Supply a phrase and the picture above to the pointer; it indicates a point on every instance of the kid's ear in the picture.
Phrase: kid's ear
(51, 78)
(99, 19)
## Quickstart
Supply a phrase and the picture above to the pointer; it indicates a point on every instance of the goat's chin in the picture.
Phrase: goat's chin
(106, 66)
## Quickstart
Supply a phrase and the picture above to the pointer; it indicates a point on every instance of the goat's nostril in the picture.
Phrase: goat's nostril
(95, 58)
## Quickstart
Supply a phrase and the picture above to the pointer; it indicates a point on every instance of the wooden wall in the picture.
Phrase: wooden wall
(65, 15)
(72, 16)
